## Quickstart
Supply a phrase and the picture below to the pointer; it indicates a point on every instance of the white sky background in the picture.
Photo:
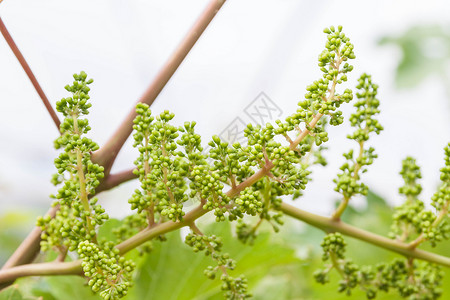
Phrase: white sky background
(252, 46)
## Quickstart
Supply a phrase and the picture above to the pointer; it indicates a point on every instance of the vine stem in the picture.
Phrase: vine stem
(330, 225)
(107, 154)
(29, 73)
(113, 180)
(325, 223)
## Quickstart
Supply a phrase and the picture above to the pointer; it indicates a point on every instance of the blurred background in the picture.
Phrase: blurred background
(251, 47)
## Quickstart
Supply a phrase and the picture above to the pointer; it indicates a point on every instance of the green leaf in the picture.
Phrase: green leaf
(173, 271)
(425, 51)
(106, 230)
(14, 227)
(11, 293)
(66, 287)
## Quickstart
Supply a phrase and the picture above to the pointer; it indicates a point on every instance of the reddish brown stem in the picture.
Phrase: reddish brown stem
(29, 73)
(113, 180)
(107, 154)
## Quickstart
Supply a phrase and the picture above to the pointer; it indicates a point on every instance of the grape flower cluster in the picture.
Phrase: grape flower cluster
(412, 280)
(412, 221)
(348, 182)
(211, 246)
(74, 228)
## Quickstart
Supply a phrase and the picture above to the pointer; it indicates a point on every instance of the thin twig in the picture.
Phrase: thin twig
(29, 73)
(107, 154)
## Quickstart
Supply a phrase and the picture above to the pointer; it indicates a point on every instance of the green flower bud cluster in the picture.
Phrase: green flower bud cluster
(348, 182)
(78, 215)
(319, 158)
(229, 162)
(249, 202)
(338, 50)
(441, 199)
(236, 163)
(236, 288)
(411, 280)
(431, 230)
(366, 108)
(355, 276)
(352, 275)
(209, 187)
(209, 244)
(333, 244)
(75, 225)
(408, 217)
(107, 271)
(69, 226)
(245, 233)
(411, 219)
(436, 227)
(160, 167)
(410, 173)
(78, 102)
(265, 196)
(212, 245)
(309, 153)
(287, 173)
(191, 142)
(52, 237)
(261, 136)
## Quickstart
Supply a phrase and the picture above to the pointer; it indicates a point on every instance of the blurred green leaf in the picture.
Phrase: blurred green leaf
(70, 287)
(106, 230)
(425, 51)
(12, 293)
(14, 227)
(174, 271)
